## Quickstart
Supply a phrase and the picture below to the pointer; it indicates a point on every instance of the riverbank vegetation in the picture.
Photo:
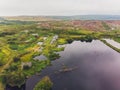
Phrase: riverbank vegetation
(44, 84)
(111, 46)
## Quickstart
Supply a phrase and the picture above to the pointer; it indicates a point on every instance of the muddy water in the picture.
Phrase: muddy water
(83, 66)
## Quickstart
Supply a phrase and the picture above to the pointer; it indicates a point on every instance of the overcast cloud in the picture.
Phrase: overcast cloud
(59, 7)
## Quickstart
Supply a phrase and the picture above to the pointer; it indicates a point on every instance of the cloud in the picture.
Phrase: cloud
(59, 7)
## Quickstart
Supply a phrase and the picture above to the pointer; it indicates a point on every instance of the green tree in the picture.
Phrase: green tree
(15, 79)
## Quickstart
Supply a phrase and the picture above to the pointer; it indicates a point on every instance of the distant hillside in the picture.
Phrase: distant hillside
(51, 18)
(28, 18)
(95, 25)
(88, 17)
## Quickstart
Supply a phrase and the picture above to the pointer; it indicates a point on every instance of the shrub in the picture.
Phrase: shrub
(70, 40)
(16, 59)
(14, 79)
(2, 62)
(44, 84)
(53, 56)
(26, 67)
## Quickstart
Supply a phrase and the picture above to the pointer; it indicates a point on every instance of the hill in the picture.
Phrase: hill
(51, 18)
(28, 18)
(88, 17)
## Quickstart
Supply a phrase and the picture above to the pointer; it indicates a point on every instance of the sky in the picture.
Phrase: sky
(59, 7)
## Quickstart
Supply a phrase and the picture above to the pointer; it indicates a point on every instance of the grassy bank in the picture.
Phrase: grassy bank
(105, 42)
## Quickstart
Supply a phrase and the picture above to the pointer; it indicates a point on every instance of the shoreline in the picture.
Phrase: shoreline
(111, 46)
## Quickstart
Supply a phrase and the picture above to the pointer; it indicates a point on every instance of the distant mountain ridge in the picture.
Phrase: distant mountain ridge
(88, 17)
(52, 18)
(27, 18)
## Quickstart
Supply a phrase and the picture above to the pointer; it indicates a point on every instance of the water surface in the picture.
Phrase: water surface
(92, 66)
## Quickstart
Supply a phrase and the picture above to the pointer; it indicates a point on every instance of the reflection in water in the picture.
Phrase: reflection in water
(83, 66)
(15, 88)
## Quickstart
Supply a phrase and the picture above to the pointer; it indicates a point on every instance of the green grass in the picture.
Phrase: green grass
(62, 41)
(117, 39)
(116, 49)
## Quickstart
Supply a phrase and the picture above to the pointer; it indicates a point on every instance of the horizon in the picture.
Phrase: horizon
(59, 15)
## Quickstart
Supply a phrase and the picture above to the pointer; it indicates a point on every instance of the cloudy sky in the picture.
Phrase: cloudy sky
(59, 7)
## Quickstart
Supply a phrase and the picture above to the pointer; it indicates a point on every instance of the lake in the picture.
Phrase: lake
(90, 66)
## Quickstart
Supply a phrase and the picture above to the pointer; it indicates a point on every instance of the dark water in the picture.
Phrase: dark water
(15, 88)
(94, 66)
